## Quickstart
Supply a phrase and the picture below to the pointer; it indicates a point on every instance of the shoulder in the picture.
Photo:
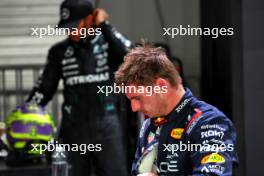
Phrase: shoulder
(59, 46)
(210, 118)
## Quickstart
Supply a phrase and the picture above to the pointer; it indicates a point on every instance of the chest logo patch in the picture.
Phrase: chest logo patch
(150, 137)
(177, 133)
(213, 158)
(69, 51)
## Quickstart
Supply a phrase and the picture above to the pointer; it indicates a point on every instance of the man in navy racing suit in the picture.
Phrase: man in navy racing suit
(85, 63)
(181, 135)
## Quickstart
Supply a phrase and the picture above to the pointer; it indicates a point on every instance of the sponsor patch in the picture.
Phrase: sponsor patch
(213, 168)
(213, 158)
(159, 121)
(150, 137)
(212, 133)
(194, 120)
(69, 52)
(212, 126)
(182, 105)
(177, 133)
(83, 79)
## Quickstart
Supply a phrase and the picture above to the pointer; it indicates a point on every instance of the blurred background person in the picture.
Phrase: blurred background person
(84, 63)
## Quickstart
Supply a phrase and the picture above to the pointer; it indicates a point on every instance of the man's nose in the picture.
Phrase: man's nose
(135, 106)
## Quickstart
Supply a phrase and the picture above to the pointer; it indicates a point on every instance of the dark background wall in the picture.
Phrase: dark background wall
(253, 62)
(232, 73)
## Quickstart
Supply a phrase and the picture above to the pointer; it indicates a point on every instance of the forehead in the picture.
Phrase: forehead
(131, 93)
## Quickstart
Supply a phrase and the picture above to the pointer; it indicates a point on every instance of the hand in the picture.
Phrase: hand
(100, 15)
(147, 174)
(87, 23)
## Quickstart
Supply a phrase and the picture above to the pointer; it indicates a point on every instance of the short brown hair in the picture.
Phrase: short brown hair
(143, 64)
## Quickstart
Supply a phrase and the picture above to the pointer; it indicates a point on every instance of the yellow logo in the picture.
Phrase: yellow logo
(177, 133)
(213, 158)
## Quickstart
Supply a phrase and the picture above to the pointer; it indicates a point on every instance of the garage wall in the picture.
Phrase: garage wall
(17, 46)
(16, 20)
(137, 19)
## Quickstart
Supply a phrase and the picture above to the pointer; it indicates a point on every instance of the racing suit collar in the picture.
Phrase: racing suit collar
(180, 108)
(85, 42)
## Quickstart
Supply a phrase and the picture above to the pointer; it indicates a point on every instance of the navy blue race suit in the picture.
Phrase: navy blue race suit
(191, 122)
(88, 117)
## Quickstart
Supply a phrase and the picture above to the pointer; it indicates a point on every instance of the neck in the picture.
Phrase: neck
(174, 98)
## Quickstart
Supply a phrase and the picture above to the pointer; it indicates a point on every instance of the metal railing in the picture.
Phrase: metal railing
(16, 82)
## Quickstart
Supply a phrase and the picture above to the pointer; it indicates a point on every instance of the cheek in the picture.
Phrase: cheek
(155, 104)
(149, 103)
(135, 105)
